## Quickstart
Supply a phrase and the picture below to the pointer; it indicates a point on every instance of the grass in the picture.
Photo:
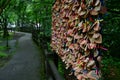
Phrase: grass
(4, 57)
(42, 67)
(11, 34)
(2, 48)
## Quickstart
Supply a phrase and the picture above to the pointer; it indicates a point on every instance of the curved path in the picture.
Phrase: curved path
(25, 64)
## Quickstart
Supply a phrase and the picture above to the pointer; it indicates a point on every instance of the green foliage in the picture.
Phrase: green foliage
(61, 67)
(111, 29)
(111, 40)
(49, 47)
(3, 55)
(12, 17)
(2, 48)
(111, 68)
(113, 4)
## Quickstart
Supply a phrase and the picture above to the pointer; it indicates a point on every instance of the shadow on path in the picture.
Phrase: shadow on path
(25, 64)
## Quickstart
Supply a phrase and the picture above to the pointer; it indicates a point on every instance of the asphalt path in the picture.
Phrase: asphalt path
(25, 64)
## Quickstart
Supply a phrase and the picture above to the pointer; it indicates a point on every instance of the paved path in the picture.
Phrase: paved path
(25, 64)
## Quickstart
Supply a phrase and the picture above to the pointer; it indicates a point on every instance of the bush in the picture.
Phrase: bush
(111, 68)
(3, 55)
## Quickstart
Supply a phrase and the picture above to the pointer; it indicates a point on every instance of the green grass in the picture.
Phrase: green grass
(11, 34)
(2, 48)
(3, 55)
(4, 58)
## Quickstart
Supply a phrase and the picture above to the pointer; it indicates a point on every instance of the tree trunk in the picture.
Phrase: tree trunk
(5, 31)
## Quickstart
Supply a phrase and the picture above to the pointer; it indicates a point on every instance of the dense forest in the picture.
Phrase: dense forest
(34, 16)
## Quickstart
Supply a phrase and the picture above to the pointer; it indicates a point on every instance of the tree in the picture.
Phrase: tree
(3, 5)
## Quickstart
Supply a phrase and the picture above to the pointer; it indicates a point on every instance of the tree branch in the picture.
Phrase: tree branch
(4, 6)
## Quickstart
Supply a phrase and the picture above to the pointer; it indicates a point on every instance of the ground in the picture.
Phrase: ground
(25, 63)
